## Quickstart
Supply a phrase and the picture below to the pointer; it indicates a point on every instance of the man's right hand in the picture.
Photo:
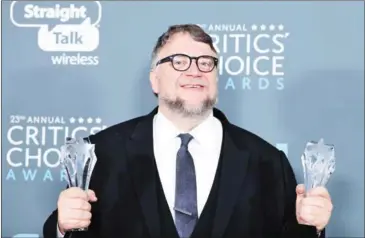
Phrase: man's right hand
(74, 209)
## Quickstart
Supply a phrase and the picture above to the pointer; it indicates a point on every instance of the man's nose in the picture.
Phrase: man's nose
(193, 70)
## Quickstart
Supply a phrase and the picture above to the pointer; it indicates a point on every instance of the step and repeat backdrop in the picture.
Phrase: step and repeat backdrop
(289, 71)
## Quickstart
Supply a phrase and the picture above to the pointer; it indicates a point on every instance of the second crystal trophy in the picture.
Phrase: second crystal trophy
(78, 160)
(318, 162)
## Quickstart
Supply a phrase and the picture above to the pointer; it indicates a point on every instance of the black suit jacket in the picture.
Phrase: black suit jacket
(256, 196)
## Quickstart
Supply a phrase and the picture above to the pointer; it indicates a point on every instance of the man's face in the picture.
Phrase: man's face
(191, 92)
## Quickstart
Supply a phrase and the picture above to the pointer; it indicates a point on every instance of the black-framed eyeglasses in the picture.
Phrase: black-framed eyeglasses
(182, 62)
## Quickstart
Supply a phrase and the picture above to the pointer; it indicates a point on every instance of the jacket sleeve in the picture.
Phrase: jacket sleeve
(50, 226)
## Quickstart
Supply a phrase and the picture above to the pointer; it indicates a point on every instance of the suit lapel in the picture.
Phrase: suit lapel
(235, 163)
(141, 163)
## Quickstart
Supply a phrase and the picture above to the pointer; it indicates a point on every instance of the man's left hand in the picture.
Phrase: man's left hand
(313, 208)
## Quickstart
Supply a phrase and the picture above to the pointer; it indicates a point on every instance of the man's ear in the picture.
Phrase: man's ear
(154, 81)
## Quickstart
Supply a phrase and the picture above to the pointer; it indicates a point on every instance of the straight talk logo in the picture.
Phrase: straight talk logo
(64, 29)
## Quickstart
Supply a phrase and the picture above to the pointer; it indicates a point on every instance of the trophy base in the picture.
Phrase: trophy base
(79, 229)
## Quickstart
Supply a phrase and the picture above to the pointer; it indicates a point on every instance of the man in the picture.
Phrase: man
(184, 170)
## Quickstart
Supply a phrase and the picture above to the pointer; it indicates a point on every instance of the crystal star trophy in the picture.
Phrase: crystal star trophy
(318, 161)
(78, 160)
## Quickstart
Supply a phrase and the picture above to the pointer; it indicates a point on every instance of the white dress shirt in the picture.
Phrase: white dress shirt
(205, 148)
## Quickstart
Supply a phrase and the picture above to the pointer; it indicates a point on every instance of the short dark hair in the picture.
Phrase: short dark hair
(195, 31)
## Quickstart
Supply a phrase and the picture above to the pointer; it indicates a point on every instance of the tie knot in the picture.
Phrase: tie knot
(185, 139)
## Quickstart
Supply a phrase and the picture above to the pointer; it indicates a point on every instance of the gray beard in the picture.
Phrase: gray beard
(178, 105)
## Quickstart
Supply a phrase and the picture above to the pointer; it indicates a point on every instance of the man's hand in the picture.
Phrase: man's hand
(313, 208)
(74, 208)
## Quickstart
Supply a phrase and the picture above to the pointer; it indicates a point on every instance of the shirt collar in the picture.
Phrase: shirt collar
(203, 133)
